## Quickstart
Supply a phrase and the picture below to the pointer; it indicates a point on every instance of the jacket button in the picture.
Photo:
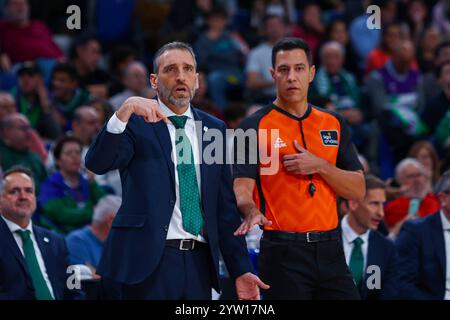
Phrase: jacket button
(166, 228)
(172, 202)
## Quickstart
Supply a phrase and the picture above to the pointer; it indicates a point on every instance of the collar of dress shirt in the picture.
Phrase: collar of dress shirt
(445, 221)
(169, 113)
(349, 234)
(14, 226)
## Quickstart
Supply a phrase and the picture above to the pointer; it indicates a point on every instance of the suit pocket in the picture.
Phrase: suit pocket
(129, 221)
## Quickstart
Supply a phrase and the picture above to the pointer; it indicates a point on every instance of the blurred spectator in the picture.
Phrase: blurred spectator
(186, 19)
(436, 114)
(259, 80)
(67, 198)
(135, 82)
(104, 110)
(417, 18)
(364, 246)
(392, 36)
(22, 39)
(85, 245)
(85, 126)
(202, 101)
(337, 31)
(426, 154)
(429, 40)
(86, 54)
(416, 201)
(333, 81)
(441, 16)
(311, 28)
(119, 60)
(7, 104)
(363, 39)
(98, 84)
(429, 87)
(393, 99)
(67, 96)
(15, 149)
(32, 100)
(219, 54)
(234, 114)
(423, 252)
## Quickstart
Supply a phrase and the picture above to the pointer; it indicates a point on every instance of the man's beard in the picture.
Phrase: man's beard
(165, 94)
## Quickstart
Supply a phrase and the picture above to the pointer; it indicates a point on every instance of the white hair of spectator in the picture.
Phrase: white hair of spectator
(405, 163)
(107, 205)
(134, 64)
(332, 45)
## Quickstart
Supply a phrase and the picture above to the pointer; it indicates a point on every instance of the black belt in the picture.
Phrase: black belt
(302, 236)
(185, 244)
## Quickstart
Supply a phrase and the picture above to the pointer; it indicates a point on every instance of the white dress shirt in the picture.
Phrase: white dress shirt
(446, 230)
(348, 236)
(13, 227)
(176, 231)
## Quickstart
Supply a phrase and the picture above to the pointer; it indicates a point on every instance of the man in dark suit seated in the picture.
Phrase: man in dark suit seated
(424, 249)
(33, 260)
(178, 209)
(371, 257)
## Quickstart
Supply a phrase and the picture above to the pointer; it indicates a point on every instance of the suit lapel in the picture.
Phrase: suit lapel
(45, 246)
(12, 244)
(164, 140)
(438, 240)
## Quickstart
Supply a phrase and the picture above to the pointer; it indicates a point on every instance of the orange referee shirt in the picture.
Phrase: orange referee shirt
(283, 196)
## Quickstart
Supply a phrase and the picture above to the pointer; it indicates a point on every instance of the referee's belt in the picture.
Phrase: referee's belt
(302, 236)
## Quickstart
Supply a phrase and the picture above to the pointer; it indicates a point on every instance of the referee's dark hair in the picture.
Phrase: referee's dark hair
(287, 44)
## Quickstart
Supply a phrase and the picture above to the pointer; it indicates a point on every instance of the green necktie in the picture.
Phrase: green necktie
(357, 261)
(188, 186)
(40, 286)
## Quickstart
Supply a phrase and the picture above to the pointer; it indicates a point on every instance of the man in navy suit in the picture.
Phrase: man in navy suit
(424, 251)
(33, 260)
(176, 213)
(371, 257)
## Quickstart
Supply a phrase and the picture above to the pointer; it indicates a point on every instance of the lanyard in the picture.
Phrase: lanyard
(311, 187)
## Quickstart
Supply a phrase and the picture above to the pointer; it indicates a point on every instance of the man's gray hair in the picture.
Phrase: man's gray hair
(334, 45)
(107, 205)
(443, 183)
(407, 162)
(176, 45)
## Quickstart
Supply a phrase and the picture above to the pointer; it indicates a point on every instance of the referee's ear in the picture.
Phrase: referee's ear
(312, 73)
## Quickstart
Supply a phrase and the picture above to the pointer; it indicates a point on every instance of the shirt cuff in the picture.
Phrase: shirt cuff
(115, 125)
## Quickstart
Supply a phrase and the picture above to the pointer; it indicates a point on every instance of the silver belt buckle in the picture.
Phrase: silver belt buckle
(183, 241)
(308, 239)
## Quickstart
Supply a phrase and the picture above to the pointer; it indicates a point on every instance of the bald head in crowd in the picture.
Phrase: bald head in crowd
(135, 77)
(86, 124)
(332, 55)
(15, 131)
(7, 104)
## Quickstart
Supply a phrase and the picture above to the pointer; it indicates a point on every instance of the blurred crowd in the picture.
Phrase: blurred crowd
(58, 87)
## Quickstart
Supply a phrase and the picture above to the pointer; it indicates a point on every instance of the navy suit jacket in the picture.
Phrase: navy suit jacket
(15, 280)
(422, 263)
(381, 253)
(136, 242)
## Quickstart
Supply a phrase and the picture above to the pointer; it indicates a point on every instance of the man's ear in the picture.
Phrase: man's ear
(272, 72)
(197, 85)
(353, 205)
(154, 81)
(312, 73)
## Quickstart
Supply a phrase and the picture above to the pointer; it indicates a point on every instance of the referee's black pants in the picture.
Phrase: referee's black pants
(305, 270)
